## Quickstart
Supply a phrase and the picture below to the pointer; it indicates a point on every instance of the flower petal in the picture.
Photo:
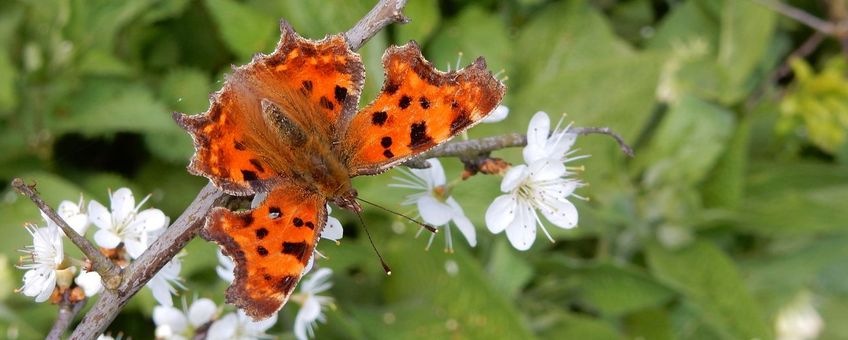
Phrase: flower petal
(317, 282)
(501, 213)
(107, 239)
(498, 114)
(559, 212)
(521, 233)
(123, 203)
(513, 177)
(463, 223)
(257, 328)
(332, 229)
(134, 247)
(148, 220)
(434, 212)
(170, 316)
(223, 328)
(90, 282)
(434, 175)
(201, 312)
(546, 169)
(308, 313)
(99, 215)
(225, 268)
(538, 130)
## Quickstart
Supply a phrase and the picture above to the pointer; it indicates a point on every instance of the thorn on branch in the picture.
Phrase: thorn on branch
(110, 273)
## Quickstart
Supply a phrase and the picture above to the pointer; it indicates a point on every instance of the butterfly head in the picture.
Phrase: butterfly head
(347, 200)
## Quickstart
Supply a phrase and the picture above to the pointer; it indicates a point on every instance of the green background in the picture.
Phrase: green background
(729, 211)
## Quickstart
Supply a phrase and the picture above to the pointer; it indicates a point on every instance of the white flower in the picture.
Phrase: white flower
(125, 224)
(311, 303)
(42, 262)
(226, 267)
(161, 283)
(434, 204)
(497, 115)
(333, 229)
(542, 185)
(239, 326)
(799, 320)
(174, 324)
(90, 282)
(72, 214)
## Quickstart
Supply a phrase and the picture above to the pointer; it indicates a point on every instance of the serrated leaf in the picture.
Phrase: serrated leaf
(710, 281)
(245, 30)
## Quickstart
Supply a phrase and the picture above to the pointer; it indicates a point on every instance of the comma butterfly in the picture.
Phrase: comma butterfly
(286, 124)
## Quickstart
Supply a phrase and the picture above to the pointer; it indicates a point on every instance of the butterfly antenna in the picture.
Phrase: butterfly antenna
(429, 228)
(382, 262)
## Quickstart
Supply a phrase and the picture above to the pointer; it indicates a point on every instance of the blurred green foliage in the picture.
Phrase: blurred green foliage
(734, 205)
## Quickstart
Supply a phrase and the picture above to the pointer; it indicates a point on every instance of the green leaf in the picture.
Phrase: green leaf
(474, 32)
(573, 326)
(651, 323)
(8, 86)
(423, 17)
(710, 281)
(507, 270)
(108, 106)
(614, 291)
(245, 30)
(746, 31)
(787, 200)
(688, 142)
(724, 185)
(428, 299)
(316, 19)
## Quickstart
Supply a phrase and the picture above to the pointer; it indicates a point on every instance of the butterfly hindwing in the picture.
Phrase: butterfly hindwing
(270, 246)
(270, 106)
(419, 107)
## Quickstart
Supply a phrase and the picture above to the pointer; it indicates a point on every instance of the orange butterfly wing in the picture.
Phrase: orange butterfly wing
(270, 246)
(230, 150)
(419, 107)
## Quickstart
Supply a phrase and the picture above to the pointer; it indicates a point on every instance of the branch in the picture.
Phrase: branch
(384, 13)
(801, 16)
(475, 147)
(67, 311)
(109, 272)
(140, 271)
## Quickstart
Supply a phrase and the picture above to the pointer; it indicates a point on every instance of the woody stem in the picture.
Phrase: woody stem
(383, 14)
(109, 272)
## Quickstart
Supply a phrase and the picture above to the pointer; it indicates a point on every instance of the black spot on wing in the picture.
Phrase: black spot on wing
(261, 233)
(388, 153)
(274, 212)
(261, 251)
(460, 122)
(239, 145)
(340, 94)
(404, 102)
(297, 249)
(418, 135)
(425, 104)
(297, 222)
(379, 118)
(391, 88)
(306, 86)
(386, 141)
(309, 225)
(249, 175)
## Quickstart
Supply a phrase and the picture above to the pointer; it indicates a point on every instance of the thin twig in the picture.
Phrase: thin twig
(383, 14)
(474, 147)
(186, 227)
(800, 15)
(67, 311)
(109, 272)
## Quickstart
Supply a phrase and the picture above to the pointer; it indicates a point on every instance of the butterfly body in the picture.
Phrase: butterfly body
(287, 125)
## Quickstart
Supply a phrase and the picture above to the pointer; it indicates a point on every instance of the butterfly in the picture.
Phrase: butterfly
(287, 125)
